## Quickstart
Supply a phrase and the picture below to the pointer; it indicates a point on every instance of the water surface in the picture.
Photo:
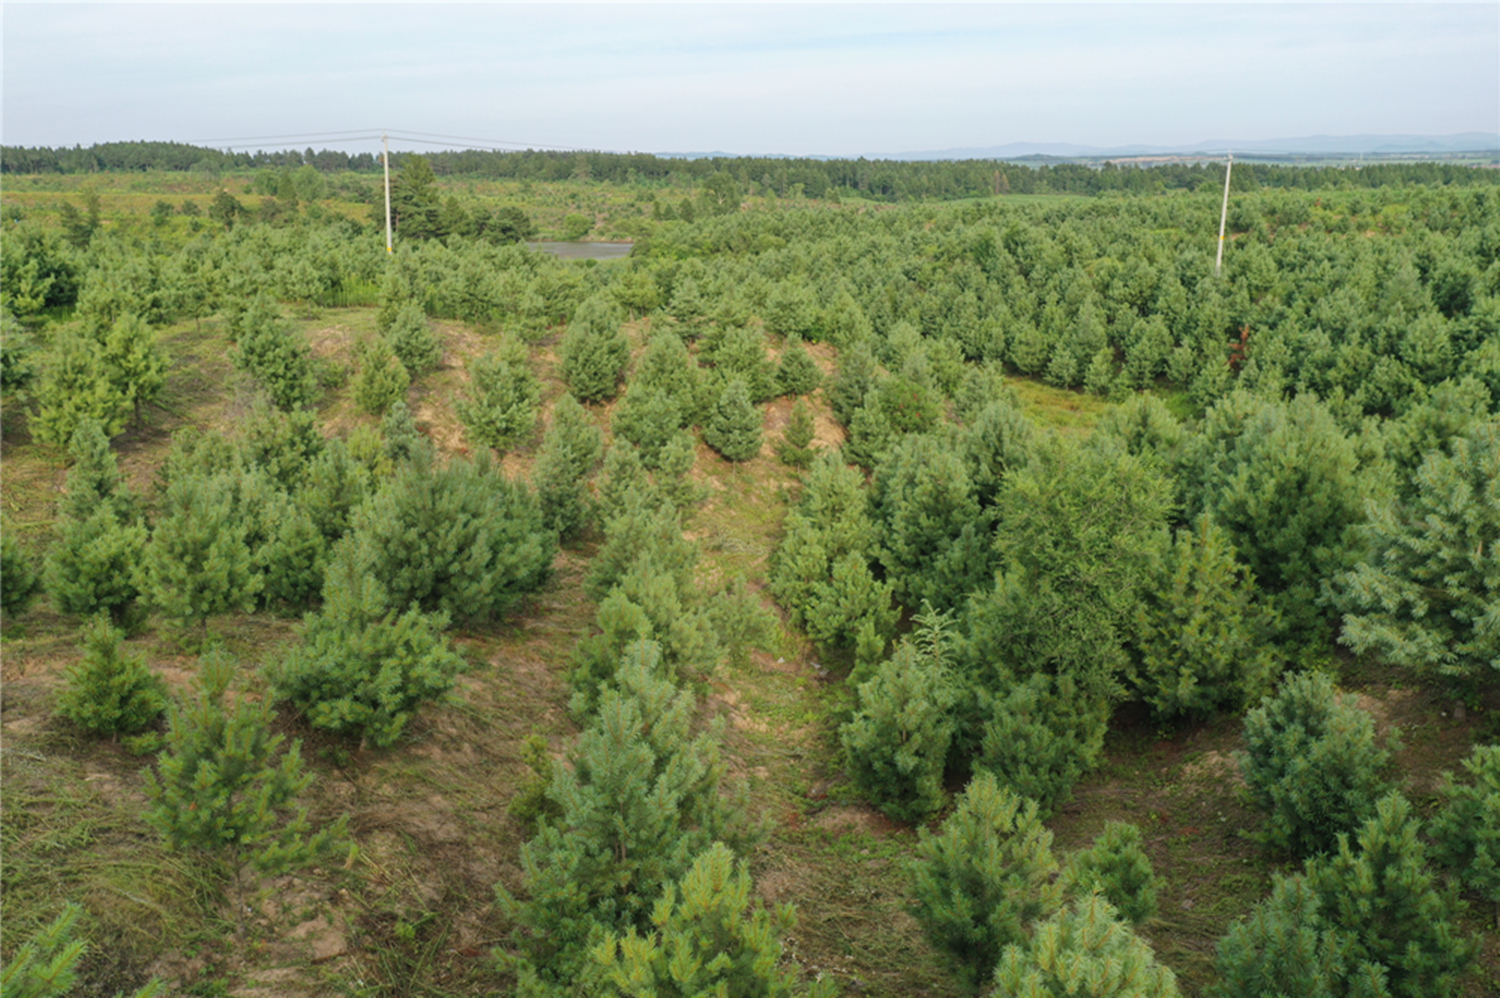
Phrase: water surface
(583, 251)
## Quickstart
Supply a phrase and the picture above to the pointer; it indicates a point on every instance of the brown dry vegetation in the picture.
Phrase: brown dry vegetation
(412, 910)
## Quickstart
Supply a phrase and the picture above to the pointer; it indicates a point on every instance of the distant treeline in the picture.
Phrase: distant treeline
(886, 180)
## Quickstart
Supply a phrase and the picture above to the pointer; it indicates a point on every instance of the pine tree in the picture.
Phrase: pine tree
(741, 354)
(223, 788)
(1311, 761)
(707, 937)
(399, 433)
(501, 406)
(1430, 597)
(382, 380)
(197, 563)
(622, 482)
(897, 742)
(19, 580)
(109, 692)
(985, 878)
(676, 461)
(594, 353)
(1083, 951)
(1041, 736)
(136, 361)
(640, 800)
(274, 355)
(1099, 378)
(734, 429)
(797, 374)
(1203, 642)
(94, 479)
(793, 448)
(667, 367)
(46, 965)
(1466, 833)
(571, 448)
(1116, 866)
(77, 384)
(857, 374)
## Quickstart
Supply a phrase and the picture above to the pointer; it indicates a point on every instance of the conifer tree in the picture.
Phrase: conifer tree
(1311, 761)
(197, 563)
(897, 742)
(400, 438)
(571, 447)
(797, 374)
(412, 338)
(46, 965)
(639, 802)
(382, 380)
(1202, 640)
(77, 384)
(136, 362)
(984, 879)
(793, 448)
(594, 353)
(109, 692)
(501, 406)
(1083, 951)
(734, 428)
(622, 482)
(650, 419)
(223, 788)
(707, 937)
(741, 354)
(1466, 832)
(666, 366)
(1116, 866)
(274, 355)
(1041, 736)
(674, 464)
(642, 533)
(19, 580)
(857, 374)
(94, 477)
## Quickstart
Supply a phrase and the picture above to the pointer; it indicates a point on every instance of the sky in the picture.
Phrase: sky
(793, 79)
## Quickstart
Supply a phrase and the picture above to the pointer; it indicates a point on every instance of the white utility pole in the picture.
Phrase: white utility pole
(386, 143)
(1224, 214)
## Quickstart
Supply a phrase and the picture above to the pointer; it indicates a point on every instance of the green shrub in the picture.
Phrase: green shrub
(1466, 833)
(109, 692)
(1083, 951)
(411, 337)
(734, 428)
(1311, 761)
(1116, 866)
(984, 879)
(501, 406)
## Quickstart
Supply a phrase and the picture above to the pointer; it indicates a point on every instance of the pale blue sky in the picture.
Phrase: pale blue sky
(793, 79)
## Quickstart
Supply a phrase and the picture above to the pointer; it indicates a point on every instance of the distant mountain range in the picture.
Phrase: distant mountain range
(1315, 145)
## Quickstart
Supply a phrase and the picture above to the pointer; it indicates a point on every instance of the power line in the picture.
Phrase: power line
(358, 133)
(497, 142)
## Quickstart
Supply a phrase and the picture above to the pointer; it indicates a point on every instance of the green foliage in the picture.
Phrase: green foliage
(19, 580)
(666, 367)
(998, 441)
(401, 439)
(222, 786)
(109, 692)
(501, 407)
(897, 741)
(623, 482)
(707, 937)
(794, 448)
(1041, 736)
(734, 428)
(77, 384)
(360, 672)
(1429, 598)
(46, 965)
(274, 354)
(571, 447)
(1202, 640)
(741, 353)
(650, 419)
(382, 380)
(1466, 832)
(136, 362)
(639, 800)
(411, 337)
(642, 532)
(1311, 761)
(594, 352)
(741, 621)
(985, 878)
(1117, 867)
(197, 563)
(674, 464)
(458, 539)
(1369, 921)
(1083, 951)
(856, 375)
(797, 374)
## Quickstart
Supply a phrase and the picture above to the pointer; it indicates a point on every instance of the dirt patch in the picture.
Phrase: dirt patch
(1215, 766)
(854, 818)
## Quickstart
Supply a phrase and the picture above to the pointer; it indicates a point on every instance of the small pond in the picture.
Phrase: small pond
(584, 251)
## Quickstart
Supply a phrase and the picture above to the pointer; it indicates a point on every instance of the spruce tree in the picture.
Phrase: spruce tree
(224, 789)
(275, 355)
(674, 465)
(650, 419)
(500, 407)
(1083, 951)
(793, 448)
(1116, 866)
(109, 692)
(382, 380)
(708, 937)
(1311, 761)
(734, 427)
(197, 563)
(94, 477)
(19, 580)
(571, 448)
(411, 337)
(857, 374)
(1466, 832)
(1041, 736)
(797, 374)
(984, 879)
(594, 353)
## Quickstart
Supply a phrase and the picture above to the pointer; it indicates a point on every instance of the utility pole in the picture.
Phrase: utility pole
(386, 144)
(1224, 214)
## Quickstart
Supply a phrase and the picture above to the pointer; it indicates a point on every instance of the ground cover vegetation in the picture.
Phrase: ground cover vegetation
(913, 598)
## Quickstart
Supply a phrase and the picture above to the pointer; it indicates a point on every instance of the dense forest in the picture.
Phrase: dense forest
(829, 597)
